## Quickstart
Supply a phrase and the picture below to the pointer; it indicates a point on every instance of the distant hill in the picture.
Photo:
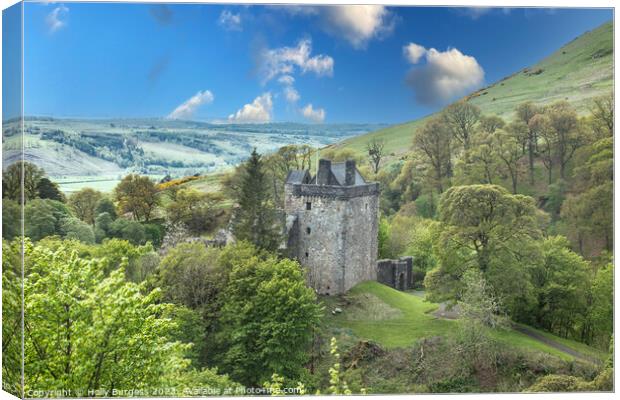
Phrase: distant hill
(98, 152)
(577, 72)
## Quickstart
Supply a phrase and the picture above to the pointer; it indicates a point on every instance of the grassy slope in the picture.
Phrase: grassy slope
(397, 319)
(577, 72)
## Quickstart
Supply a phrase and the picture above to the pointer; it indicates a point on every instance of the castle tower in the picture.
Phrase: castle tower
(332, 225)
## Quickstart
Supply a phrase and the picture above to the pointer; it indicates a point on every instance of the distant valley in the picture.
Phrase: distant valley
(97, 153)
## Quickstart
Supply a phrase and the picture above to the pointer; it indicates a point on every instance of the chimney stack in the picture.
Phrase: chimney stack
(349, 178)
(322, 176)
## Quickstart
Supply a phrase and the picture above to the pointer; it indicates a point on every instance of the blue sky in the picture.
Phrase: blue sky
(259, 64)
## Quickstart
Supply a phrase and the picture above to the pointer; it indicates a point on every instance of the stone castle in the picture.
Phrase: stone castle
(332, 226)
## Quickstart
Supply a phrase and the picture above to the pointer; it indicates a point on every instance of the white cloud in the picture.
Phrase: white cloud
(285, 60)
(56, 19)
(358, 24)
(230, 21)
(312, 114)
(286, 80)
(476, 12)
(188, 107)
(291, 94)
(413, 52)
(257, 111)
(446, 75)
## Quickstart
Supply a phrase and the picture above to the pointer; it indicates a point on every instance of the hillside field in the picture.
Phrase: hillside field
(577, 72)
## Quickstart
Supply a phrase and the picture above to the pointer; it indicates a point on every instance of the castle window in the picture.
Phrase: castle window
(308, 230)
(306, 254)
(308, 206)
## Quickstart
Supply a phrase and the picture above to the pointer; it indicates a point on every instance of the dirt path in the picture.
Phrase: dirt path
(552, 343)
(453, 313)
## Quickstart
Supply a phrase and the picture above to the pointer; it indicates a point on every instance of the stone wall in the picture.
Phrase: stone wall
(396, 273)
(336, 239)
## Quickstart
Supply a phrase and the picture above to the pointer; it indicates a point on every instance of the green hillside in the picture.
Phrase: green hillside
(577, 72)
(396, 319)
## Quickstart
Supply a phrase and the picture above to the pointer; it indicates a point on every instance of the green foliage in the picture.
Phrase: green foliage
(426, 205)
(193, 209)
(267, 319)
(562, 280)
(43, 217)
(384, 235)
(433, 141)
(132, 231)
(590, 211)
(255, 220)
(191, 275)
(12, 332)
(137, 195)
(20, 175)
(106, 205)
(86, 330)
(11, 219)
(47, 189)
(84, 204)
(485, 227)
(337, 386)
(602, 306)
(461, 118)
(73, 228)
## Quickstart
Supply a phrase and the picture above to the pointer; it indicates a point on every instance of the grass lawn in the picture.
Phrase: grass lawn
(397, 319)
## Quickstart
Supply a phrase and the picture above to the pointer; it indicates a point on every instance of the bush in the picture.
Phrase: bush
(73, 228)
(129, 230)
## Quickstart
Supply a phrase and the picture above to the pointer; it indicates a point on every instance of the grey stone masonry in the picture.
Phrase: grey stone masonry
(332, 225)
(396, 273)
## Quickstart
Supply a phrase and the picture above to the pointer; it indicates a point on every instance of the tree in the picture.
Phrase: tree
(11, 219)
(137, 195)
(191, 275)
(484, 158)
(490, 124)
(525, 112)
(589, 210)
(85, 331)
(540, 125)
(254, 219)
(433, 141)
(566, 132)
(106, 205)
(562, 283)
(12, 318)
(479, 312)
(193, 209)
(43, 217)
(12, 181)
(84, 204)
(47, 189)
(601, 310)
(461, 118)
(73, 228)
(375, 153)
(132, 231)
(602, 110)
(486, 228)
(508, 150)
(268, 319)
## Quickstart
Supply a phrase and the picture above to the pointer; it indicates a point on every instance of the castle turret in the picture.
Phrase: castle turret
(332, 221)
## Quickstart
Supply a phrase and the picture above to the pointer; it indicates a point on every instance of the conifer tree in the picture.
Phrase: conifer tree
(255, 218)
